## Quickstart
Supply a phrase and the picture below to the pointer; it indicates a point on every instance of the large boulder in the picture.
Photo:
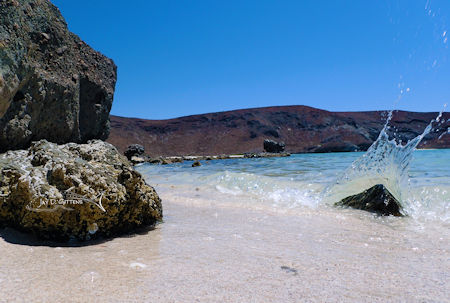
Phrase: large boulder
(52, 85)
(271, 146)
(376, 199)
(79, 191)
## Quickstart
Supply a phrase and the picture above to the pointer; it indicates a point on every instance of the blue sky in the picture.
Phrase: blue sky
(179, 58)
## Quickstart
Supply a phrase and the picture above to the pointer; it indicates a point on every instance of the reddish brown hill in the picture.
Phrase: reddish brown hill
(302, 128)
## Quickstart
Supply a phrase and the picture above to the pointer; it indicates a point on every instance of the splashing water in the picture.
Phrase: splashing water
(385, 162)
(309, 180)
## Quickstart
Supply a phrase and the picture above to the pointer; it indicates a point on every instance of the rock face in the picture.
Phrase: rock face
(303, 129)
(52, 85)
(134, 150)
(78, 191)
(271, 146)
(376, 199)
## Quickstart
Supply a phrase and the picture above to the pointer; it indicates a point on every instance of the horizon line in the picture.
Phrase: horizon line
(274, 107)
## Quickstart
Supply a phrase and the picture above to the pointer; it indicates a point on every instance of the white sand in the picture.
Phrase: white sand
(208, 251)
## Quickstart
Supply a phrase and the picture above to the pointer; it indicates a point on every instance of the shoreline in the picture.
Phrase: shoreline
(164, 160)
(207, 249)
(179, 159)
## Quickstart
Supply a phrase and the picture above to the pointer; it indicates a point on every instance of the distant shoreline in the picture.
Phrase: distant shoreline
(193, 158)
(303, 129)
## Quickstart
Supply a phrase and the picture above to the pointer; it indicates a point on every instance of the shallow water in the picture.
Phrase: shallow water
(302, 179)
(252, 230)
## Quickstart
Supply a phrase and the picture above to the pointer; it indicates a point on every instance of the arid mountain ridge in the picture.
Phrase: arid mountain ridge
(303, 129)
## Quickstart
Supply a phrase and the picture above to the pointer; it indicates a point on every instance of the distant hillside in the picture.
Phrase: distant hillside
(302, 128)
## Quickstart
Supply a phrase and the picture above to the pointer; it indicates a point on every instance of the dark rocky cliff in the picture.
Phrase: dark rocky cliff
(302, 128)
(52, 85)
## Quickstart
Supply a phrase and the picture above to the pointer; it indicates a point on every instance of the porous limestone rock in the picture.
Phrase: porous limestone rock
(376, 199)
(77, 191)
(52, 85)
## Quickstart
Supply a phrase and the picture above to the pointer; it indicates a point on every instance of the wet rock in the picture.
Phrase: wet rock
(176, 159)
(165, 161)
(77, 191)
(271, 146)
(52, 85)
(376, 199)
(196, 163)
(155, 160)
(134, 150)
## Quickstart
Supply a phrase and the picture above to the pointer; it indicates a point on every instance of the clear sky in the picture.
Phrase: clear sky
(179, 58)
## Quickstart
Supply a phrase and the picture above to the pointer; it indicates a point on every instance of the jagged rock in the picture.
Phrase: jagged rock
(196, 163)
(271, 146)
(134, 150)
(52, 85)
(74, 191)
(376, 199)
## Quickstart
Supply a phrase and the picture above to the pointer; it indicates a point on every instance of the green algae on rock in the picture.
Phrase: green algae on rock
(80, 191)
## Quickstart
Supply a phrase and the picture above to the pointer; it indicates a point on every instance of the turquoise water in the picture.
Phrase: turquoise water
(302, 180)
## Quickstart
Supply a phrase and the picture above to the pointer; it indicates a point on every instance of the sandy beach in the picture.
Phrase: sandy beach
(207, 251)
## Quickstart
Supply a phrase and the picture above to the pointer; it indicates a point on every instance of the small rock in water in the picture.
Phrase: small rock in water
(166, 161)
(376, 199)
(196, 163)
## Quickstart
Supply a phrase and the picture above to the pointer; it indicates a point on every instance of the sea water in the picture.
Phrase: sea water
(302, 180)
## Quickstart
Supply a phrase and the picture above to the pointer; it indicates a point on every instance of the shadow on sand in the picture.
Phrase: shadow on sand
(14, 236)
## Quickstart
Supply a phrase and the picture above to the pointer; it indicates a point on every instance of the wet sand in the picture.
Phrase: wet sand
(211, 250)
